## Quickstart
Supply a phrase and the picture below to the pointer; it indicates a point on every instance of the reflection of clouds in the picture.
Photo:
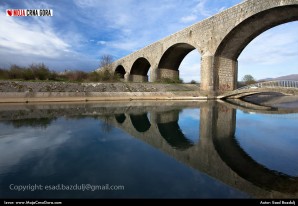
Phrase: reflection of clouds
(190, 113)
(189, 124)
(112, 138)
(18, 144)
(271, 142)
(89, 155)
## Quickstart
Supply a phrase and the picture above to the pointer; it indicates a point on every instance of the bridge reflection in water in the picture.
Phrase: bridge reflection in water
(217, 152)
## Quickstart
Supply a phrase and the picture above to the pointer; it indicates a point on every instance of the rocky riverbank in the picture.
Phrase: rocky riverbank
(19, 91)
(20, 86)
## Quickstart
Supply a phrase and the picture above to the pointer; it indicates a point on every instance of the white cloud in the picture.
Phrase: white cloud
(189, 18)
(121, 27)
(28, 40)
(269, 48)
(274, 53)
(101, 42)
(17, 36)
(84, 3)
(222, 9)
(202, 9)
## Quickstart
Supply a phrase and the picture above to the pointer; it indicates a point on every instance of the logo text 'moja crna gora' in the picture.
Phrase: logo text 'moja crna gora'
(29, 12)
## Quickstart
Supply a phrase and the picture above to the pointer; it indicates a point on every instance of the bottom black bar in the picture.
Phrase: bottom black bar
(97, 201)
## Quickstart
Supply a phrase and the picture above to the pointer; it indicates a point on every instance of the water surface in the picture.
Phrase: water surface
(150, 149)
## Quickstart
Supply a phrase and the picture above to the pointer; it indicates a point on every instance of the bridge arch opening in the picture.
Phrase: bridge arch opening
(270, 55)
(228, 142)
(180, 62)
(227, 53)
(120, 118)
(170, 129)
(140, 122)
(139, 70)
(172, 133)
(120, 71)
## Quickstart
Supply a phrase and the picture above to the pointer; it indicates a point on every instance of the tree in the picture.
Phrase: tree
(106, 72)
(248, 79)
(105, 62)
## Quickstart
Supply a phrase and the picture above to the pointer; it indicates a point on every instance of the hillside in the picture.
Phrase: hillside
(291, 77)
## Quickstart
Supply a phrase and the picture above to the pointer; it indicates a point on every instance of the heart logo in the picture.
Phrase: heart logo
(9, 12)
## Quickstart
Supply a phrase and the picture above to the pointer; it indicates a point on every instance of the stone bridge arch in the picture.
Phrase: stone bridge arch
(120, 71)
(139, 70)
(168, 128)
(239, 161)
(120, 118)
(168, 66)
(230, 48)
(161, 125)
(232, 154)
(140, 122)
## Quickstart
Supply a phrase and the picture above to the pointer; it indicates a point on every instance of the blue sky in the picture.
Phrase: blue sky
(82, 30)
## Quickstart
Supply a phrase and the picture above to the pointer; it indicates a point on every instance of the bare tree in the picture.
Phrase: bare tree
(106, 126)
(105, 62)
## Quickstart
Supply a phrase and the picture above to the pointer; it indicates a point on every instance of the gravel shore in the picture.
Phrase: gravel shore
(10, 91)
(21, 91)
(19, 86)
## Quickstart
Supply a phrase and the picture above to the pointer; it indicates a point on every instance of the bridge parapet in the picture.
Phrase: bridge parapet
(285, 87)
(272, 84)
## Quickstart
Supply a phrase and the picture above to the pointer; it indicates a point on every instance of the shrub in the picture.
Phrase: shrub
(106, 76)
(170, 81)
(15, 72)
(28, 74)
(40, 71)
(78, 76)
(94, 76)
(3, 74)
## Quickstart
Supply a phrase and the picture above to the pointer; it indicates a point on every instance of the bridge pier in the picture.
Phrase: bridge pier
(218, 74)
(166, 117)
(163, 73)
(227, 73)
(226, 122)
(216, 120)
(207, 75)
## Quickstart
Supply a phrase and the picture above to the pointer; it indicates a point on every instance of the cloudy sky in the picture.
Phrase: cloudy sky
(82, 30)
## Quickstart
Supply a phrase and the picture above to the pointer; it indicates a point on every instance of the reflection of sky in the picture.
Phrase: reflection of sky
(17, 144)
(76, 151)
(271, 141)
(189, 122)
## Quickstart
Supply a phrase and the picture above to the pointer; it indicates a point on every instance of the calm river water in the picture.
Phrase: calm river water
(147, 150)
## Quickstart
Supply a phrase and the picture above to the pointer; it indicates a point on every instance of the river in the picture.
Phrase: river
(154, 149)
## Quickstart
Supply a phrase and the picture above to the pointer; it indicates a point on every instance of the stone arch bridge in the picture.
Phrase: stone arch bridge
(219, 39)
